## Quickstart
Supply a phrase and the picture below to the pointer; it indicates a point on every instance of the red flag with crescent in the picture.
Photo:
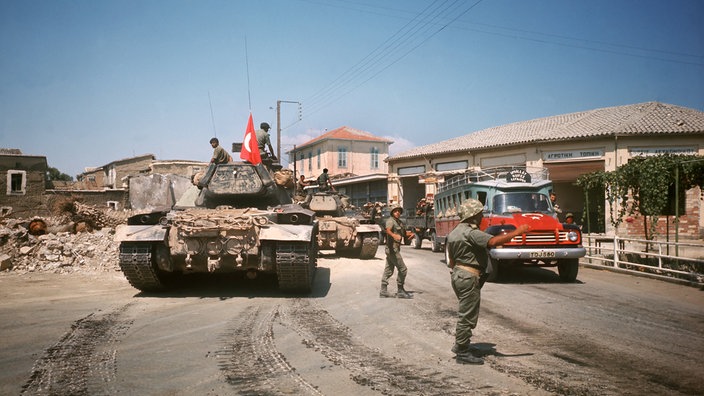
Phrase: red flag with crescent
(250, 148)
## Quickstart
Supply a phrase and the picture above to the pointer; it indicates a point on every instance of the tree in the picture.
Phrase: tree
(53, 174)
(643, 184)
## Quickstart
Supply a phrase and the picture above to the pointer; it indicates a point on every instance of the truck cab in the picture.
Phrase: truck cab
(512, 197)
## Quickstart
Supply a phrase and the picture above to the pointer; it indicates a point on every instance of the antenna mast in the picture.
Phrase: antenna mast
(246, 59)
(212, 117)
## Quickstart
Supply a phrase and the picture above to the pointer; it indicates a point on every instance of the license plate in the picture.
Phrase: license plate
(542, 254)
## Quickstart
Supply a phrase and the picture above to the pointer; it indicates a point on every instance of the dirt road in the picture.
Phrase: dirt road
(608, 334)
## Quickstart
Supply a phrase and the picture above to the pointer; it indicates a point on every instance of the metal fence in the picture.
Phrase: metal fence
(681, 261)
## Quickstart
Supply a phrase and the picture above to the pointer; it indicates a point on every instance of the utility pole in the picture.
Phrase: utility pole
(278, 124)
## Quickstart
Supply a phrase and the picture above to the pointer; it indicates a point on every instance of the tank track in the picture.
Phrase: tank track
(295, 266)
(370, 244)
(136, 264)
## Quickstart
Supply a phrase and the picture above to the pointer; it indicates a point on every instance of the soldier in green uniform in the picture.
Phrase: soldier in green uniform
(324, 183)
(220, 155)
(395, 233)
(468, 259)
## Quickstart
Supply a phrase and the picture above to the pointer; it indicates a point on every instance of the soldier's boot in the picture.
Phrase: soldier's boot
(384, 292)
(468, 358)
(402, 293)
(457, 349)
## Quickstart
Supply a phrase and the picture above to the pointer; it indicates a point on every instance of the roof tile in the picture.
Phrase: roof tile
(636, 119)
(345, 133)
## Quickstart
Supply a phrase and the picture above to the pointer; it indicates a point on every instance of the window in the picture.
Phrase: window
(16, 182)
(318, 158)
(374, 158)
(113, 205)
(342, 157)
(310, 161)
(411, 170)
(450, 166)
(481, 196)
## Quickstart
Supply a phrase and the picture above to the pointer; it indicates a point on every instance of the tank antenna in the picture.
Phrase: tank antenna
(246, 60)
(212, 117)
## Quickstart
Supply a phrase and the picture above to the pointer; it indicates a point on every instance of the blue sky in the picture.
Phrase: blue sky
(85, 83)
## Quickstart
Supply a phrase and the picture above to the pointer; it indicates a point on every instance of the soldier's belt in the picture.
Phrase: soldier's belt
(473, 270)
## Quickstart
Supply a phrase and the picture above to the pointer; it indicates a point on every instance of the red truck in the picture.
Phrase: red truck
(513, 196)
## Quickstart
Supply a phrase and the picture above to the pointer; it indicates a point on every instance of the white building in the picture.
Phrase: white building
(356, 162)
(568, 145)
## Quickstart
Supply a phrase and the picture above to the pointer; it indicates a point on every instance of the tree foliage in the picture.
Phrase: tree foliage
(642, 185)
(55, 174)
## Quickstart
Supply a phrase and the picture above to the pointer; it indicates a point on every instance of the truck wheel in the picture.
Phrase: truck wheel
(437, 246)
(417, 241)
(568, 270)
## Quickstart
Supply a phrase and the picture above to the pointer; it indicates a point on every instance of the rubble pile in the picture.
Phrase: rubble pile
(60, 252)
(78, 237)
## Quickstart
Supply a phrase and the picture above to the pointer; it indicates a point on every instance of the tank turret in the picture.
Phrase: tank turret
(242, 184)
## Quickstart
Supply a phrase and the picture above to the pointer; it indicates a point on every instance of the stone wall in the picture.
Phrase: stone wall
(27, 204)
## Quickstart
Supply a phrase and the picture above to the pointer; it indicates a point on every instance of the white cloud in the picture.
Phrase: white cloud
(399, 144)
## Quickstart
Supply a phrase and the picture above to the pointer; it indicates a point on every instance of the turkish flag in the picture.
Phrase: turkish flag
(250, 148)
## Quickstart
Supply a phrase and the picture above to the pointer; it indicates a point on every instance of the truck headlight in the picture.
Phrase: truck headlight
(573, 236)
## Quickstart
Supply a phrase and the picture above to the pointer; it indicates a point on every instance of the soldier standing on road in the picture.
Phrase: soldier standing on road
(468, 259)
(395, 233)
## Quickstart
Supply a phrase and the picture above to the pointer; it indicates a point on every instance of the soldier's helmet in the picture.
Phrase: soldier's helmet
(470, 208)
(397, 207)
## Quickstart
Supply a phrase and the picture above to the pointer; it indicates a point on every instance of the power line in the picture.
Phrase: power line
(398, 46)
(443, 14)
(372, 57)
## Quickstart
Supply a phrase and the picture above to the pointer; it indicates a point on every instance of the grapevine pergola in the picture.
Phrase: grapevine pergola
(642, 185)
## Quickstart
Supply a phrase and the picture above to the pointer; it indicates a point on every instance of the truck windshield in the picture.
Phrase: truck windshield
(521, 202)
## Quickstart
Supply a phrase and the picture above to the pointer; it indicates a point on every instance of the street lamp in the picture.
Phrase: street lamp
(278, 124)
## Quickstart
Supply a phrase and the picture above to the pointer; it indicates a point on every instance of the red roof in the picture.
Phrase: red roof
(346, 133)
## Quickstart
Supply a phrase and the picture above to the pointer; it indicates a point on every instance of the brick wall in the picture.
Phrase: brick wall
(688, 228)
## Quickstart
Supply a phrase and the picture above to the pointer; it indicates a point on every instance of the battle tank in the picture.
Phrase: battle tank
(342, 229)
(235, 218)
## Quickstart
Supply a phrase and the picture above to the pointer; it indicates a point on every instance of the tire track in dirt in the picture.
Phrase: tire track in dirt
(555, 374)
(578, 365)
(83, 361)
(368, 367)
(250, 361)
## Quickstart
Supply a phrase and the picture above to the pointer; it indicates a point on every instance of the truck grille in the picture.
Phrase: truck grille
(542, 238)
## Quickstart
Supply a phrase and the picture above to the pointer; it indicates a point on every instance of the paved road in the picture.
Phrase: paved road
(608, 334)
